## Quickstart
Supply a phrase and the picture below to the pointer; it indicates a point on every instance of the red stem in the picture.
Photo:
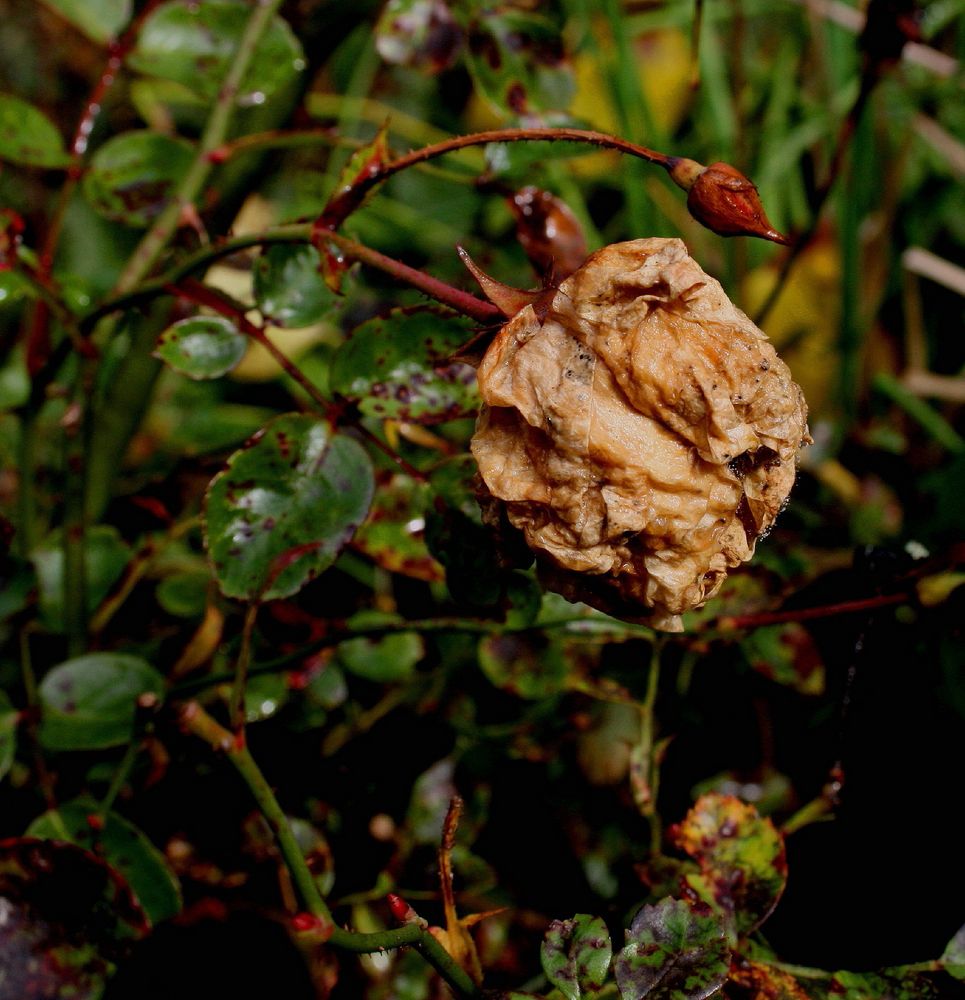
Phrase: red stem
(463, 302)
(202, 295)
(38, 342)
(525, 135)
(808, 614)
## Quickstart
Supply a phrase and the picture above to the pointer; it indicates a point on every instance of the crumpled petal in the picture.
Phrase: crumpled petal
(640, 431)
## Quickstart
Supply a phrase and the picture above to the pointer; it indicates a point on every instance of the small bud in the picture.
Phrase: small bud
(308, 923)
(399, 907)
(726, 202)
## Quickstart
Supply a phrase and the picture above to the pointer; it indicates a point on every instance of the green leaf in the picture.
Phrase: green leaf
(122, 845)
(100, 20)
(887, 984)
(202, 347)
(194, 44)
(28, 137)
(288, 286)
(953, 957)
(529, 665)
(133, 175)
(672, 953)
(399, 367)
(384, 660)
(9, 720)
(284, 507)
(106, 556)
(264, 696)
(786, 654)
(89, 702)
(743, 869)
(183, 595)
(576, 955)
(68, 919)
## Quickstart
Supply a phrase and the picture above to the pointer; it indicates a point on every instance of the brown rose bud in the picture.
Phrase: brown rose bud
(721, 198)
(639, 431)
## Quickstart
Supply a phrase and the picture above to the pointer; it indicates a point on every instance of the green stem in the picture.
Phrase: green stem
(151, 247)
(198, 722)
(645, 749)
(120, 775)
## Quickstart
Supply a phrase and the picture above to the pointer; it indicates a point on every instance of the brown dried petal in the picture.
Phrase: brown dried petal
(548, 232)
(641, 435)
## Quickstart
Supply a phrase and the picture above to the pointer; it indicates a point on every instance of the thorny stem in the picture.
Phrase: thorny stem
(463, 302)
(763, 618)
(456, 299)
(225, 306)
(580, 135)
(197, 721)
(76, 425)
(194, 719)
(148, 251)
(204, 295)
(78, 147)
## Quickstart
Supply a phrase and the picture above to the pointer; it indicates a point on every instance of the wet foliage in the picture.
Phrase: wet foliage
(284, 709)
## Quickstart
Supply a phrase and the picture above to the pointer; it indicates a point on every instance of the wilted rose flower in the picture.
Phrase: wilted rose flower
(639, 430)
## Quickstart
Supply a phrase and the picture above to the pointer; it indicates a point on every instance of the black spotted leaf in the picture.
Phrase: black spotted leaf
(399, 367)
(28, 136)
(516, 61)
(418, 33)
(122, 845)
(202, 347)
(133, 175)
(576, 955)
(393, 535)
(786, 654)
(89, 702)
(672, 953)
(194, 44)
(68, 919)
(285, 506)
(743, 868)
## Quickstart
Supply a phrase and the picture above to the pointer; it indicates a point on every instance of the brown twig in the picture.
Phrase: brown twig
(760, 619)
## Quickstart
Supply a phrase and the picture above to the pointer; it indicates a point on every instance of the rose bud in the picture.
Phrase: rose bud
(638, 430)
(721, 198)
